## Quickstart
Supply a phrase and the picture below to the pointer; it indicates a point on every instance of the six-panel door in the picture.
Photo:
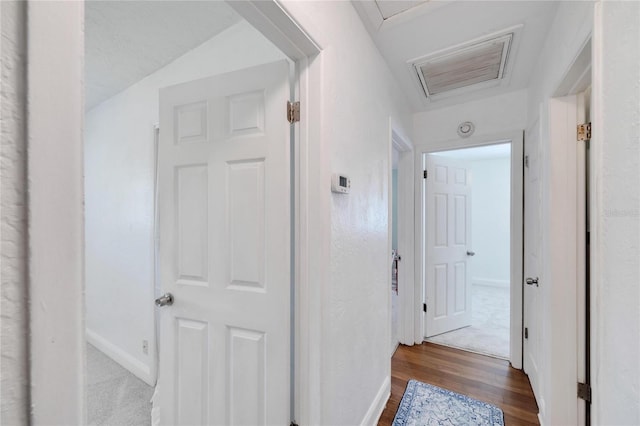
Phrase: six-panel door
(225, 249)
(447, 238)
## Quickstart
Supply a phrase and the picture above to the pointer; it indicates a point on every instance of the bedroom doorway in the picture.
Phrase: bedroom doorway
(468, 206)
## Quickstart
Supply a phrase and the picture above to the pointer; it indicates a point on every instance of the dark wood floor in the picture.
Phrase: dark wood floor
(484, 378)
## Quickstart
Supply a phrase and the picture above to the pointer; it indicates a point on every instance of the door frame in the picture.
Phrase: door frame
(56, 110)
(564, 238)
(403, 145)
(516, 231)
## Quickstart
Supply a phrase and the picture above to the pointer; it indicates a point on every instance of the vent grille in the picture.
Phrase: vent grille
(471, 66)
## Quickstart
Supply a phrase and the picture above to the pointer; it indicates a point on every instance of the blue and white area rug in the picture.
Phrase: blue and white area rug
(426, 405)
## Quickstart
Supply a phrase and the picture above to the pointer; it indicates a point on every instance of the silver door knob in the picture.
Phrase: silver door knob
(532, 281)
(164, 300)
(471, 253)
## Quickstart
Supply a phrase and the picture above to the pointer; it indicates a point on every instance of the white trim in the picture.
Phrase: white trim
(55, 112)
(596, 206)
(276, 24)
(581, 250)
(406, 228)
(136, 367)
(489, 282)
(377, 406)
(517, 252)
(312, 209)
(564, 261)
(516, 140)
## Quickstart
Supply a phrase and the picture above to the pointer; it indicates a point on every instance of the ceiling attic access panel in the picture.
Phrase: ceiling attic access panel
(471, 66)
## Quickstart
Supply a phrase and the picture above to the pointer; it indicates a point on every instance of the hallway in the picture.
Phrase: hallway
(478, 376)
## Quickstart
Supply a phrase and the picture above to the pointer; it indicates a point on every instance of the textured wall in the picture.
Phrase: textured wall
(616, 281)
(13, 364)
(358, 96)
(495, 115)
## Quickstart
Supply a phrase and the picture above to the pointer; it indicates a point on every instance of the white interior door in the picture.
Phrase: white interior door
(225, 249)
(447, 242)
(532, 258)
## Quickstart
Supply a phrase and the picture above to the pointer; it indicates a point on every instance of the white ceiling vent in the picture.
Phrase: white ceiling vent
(474, 65)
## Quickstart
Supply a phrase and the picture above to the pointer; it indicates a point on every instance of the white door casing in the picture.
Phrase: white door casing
(224, 197)
(447, 240)
(532, 258)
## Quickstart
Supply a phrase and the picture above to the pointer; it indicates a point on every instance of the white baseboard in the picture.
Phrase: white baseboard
(490, 282)
(137, 368)
(377, 406)
(394, 348)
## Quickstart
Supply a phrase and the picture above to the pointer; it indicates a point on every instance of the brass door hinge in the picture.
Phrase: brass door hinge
(293, 112)
(584, 132)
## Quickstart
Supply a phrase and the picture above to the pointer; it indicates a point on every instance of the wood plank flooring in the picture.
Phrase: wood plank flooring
(484, 378)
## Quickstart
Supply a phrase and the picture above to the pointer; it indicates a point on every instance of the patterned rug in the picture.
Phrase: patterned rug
(426, 405)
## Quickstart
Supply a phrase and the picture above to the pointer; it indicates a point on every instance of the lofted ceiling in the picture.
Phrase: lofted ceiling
(126, 41)
(406, 32)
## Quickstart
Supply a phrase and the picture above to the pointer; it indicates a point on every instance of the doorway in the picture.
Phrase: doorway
(120, 138)
(474, 313)
(456, 313)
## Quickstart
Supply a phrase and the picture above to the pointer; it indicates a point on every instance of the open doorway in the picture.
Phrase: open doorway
(470, 255)
(171, 43)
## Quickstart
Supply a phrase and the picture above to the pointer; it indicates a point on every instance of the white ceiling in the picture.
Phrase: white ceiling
(389, 8)
(126, 41)
(432, 26)
(478, 153)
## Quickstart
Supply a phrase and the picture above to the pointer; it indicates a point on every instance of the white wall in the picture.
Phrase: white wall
(358, 96)
(13, 233)
(494, 115)
(119, 186)
(490, 221)
(616, 215)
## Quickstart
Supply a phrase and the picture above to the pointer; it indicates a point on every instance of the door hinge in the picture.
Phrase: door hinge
(293, 112)
(584, 391)
(526, 333)
(526, 161)
(425, 174)
(584, 131)
(424, 307)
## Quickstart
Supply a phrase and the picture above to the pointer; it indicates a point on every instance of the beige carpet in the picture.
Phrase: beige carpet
(115, 397)
(489, 331)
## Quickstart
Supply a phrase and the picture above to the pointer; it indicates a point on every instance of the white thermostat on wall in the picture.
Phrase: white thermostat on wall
(340, 183)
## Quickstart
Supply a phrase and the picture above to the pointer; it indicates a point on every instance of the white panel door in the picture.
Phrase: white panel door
(447, 242)
(225, 249)
(532, 258)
